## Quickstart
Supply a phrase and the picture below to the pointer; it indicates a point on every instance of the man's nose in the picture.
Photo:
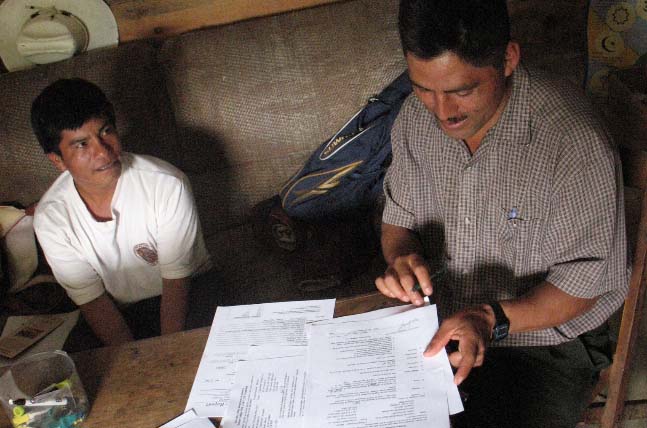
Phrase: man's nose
(444, 108)
(102, 147)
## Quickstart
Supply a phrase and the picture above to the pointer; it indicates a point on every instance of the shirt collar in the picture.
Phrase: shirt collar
(514, 124)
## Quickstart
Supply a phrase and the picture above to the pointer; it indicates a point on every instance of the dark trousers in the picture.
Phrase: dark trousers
(542, 386)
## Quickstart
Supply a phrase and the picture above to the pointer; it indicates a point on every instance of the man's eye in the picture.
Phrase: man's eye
(464, 93)
(80, 144)
(107, 130)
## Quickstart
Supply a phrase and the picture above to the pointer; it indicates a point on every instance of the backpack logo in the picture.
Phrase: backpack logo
(331, 179)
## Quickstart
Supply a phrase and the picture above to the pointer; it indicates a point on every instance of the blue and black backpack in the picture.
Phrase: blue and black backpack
(345, 174)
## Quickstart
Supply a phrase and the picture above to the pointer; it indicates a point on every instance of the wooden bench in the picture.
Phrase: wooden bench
(627, 118)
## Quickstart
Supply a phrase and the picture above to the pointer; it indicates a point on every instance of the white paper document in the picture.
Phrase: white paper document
(234, 329)
(269, 390)
(359, 371)
(372, 373)
(439, 362)
(188, 419)
(182, 419)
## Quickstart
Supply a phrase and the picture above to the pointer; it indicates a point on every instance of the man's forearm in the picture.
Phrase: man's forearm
(399, 241)
(175, 303)
(106, 321)
(544, 306)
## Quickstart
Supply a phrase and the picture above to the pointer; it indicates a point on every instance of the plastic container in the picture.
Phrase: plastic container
(44, 391)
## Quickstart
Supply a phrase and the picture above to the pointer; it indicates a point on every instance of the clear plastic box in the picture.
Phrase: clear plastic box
(44, 391)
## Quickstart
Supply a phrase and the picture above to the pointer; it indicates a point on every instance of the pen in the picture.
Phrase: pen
(433, 277)
(34, 403)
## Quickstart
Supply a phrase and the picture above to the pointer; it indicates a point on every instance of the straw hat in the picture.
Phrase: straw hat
(43, 31)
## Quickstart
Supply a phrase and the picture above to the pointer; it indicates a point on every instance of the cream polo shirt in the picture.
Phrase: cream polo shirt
(155, 233)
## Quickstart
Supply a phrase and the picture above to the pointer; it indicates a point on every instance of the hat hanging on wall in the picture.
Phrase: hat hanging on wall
(42, 31)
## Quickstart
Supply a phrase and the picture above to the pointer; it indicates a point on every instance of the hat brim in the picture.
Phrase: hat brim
(95, 15)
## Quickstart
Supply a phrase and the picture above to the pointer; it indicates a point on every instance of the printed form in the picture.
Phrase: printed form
(372, 373)
(270, 389)
(234, 330)
(438, 363)
(359, 371)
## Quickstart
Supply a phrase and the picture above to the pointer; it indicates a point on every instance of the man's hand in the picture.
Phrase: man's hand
(471, 328)
(402, 252)
(400, 278)
(544, 306)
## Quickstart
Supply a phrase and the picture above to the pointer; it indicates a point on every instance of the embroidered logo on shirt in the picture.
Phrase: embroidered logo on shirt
(146, 253)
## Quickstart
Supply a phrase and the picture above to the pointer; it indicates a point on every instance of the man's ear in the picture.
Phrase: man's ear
(57, 160)
(512, 57)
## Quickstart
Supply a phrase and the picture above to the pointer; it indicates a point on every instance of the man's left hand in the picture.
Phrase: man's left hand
(471, 328)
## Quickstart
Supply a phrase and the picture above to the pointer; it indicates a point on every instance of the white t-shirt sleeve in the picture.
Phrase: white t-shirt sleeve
(76, 276)
(181, 248)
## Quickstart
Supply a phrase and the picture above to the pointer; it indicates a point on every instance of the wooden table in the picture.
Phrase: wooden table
(147, 382)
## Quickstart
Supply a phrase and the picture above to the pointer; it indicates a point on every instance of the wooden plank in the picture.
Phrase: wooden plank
(620, 369)
(633, 410)
(364, 303)
(138, 19)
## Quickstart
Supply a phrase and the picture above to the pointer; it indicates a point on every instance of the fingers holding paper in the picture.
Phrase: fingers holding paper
(469, 327)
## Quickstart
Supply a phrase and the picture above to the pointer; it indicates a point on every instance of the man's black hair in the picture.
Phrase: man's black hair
(478, 31)
(67, 104)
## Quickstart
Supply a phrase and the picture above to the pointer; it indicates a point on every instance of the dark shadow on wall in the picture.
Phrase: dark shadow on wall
(201, 156)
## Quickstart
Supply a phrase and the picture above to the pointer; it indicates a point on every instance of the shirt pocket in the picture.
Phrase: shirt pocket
(519, 233)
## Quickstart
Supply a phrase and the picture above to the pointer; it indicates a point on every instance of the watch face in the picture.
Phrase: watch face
(500, 332)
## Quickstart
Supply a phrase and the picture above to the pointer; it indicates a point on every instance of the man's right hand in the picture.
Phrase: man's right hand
(401, 277)
(402, 251)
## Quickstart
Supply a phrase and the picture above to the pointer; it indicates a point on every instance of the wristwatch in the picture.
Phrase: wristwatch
(501, 323)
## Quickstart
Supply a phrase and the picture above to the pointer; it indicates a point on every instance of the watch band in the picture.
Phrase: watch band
(501, 323)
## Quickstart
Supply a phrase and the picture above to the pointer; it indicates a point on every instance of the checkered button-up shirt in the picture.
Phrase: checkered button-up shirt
(540, 200)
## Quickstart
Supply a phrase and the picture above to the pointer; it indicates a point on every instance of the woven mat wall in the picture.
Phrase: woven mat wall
(130, 78)
(264, 93)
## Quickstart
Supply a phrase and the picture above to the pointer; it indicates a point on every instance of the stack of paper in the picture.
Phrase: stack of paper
(289, 366)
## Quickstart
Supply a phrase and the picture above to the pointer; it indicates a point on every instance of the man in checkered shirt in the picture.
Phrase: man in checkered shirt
(503, 180)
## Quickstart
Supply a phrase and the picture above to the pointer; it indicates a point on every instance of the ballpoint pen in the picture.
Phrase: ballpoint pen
(35, 403)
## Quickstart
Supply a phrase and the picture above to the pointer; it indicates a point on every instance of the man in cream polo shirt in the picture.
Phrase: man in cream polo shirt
(120, 231)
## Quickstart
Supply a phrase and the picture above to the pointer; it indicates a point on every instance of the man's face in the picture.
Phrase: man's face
(466, 100)
(91, 153)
